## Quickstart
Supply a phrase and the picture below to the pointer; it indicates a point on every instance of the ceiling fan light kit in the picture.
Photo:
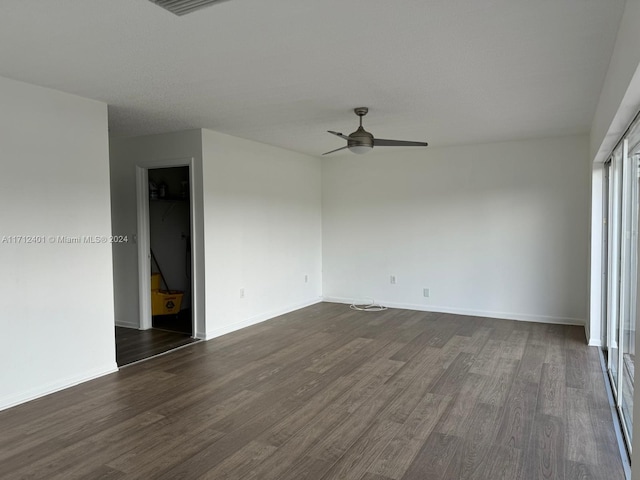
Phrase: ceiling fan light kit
(361, 141)
(360, 149)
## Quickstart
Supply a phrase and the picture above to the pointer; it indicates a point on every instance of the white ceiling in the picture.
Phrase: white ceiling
(282, 72)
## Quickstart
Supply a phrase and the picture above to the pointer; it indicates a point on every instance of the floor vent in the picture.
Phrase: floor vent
(182, 7)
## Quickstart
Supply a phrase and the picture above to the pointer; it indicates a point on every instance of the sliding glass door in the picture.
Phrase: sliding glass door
(629, 282)
(621, 206)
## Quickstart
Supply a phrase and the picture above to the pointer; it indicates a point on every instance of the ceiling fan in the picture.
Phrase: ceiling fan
(361, 141)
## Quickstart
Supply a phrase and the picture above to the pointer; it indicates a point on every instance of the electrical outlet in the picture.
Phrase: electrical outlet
(306, 279)
(425, 292)
(242, 293)
(393, 279)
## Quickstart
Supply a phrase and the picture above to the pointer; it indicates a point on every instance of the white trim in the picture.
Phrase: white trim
(144, 257)
(257, 319)
(13, 400)
(613, 242)
(197, 251)
(597, 255)
(523, 317)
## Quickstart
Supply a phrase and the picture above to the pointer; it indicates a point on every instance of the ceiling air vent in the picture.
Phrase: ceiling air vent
(182, 7)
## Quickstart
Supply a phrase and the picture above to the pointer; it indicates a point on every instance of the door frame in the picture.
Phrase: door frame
(144, 242)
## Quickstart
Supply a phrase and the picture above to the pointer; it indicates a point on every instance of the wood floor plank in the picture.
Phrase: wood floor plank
(515, 345)
(556, 348)
(503, 463)
(545, 459)
(438, 330)
(516, 425)
(296, 439)
(538, 334)
(328, 392)
(417, 344)
(334, 445)
(478, 340)
(348, 392)
(450, 350)
(171, 436)
(451, 380)
(489, 358)
(576, 375)
(454, 419)
(307, 468)
(580, 471)
(471, 459)
(365, 388)
(216, 452)
(104, 473)
(406, 443)
(325, 362)
(551, 397)
(286, 460)
(496, 386)
(581, 440)
(433, 458)
(353, 464)
(243, 460)
(373, 476)
(412, 388)
(289, 455)
(605, 439)
(74, 456)
(530, 368)
(166, 454)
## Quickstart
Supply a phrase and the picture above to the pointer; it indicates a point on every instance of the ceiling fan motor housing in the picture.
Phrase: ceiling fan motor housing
(360, 138)
(360, 141)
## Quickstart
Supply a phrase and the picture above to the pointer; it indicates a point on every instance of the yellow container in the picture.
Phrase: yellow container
(155, 281)
(165, 302)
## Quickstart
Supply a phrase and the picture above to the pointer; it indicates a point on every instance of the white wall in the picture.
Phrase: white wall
(492, 230)
(262, 231)
(57, 315)
(148, 151)
(620, 95)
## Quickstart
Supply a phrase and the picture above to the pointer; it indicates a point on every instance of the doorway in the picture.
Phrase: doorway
(170, 249)
(170, 294)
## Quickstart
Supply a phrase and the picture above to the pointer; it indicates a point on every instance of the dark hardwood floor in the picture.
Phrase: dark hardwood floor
(330, 393)
(133, 345)
(181, 323)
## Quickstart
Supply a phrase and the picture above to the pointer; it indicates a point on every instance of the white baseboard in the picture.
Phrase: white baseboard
(120, 323)
(217, 332)
(591, 341)
(595, 342)
(34, 393)
(461, 311)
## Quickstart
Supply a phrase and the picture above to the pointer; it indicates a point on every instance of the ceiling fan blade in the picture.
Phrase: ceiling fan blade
(381, 142)
(338, 134)
(336, 150)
